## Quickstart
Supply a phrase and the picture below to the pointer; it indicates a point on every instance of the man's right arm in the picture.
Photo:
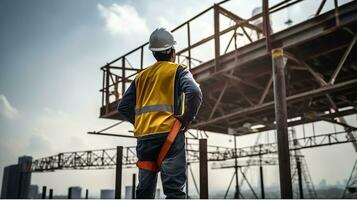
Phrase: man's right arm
(127, 103)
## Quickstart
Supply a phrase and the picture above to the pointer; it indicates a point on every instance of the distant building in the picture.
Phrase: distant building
(107, 194)
(16, 179)
(323, 184)
(75, 192)
(129, 189)
(158, 194)
(128, 192)
(33, 192)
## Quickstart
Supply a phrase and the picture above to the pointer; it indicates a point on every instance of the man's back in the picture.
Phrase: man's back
(155, 99)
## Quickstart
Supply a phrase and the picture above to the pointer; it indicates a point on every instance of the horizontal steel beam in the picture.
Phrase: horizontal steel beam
(270, 105)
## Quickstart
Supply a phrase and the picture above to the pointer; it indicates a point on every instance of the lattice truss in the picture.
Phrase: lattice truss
(106, 158)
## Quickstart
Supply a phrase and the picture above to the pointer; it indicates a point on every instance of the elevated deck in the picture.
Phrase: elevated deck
(237, 86)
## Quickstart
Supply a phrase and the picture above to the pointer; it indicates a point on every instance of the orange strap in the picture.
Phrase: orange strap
(155, 166)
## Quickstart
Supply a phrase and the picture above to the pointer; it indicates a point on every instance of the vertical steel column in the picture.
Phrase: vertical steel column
(107, 89)
(116, 90)
(337, 15)
(217, 50)
(133, 191)
(261, 177)
(123, 79)
(189, 44)
(187, 164)
(266, 24)
(142, 57)
(298, 166)
(44, 188)
(262, 181)
(87, 194)
(118, 172)
(236, 194)
(103, 86)
(281, 123)
(50, 195)
(203, 169)
(70, 193)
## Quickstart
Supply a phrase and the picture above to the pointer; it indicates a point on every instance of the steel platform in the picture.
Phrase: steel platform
(237, 86)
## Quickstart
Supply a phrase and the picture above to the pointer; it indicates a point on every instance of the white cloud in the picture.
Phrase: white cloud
(6, 110)
(163, 22)
(122, 19)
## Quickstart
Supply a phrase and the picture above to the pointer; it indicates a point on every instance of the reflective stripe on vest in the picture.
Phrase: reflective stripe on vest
(154, 108)
(155, 99)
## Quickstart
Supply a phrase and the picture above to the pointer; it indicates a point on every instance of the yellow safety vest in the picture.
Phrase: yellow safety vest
(155, 99)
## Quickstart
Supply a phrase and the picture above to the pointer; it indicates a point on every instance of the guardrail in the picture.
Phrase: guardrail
(116, 78)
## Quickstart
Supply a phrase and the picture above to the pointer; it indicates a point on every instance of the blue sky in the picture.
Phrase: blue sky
(50, 55)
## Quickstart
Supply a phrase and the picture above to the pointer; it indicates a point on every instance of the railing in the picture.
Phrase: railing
(116, 78)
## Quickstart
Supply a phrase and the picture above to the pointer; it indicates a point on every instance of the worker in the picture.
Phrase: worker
(160, 95)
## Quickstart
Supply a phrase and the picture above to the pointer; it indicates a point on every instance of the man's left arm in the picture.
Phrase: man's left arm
(193, 95)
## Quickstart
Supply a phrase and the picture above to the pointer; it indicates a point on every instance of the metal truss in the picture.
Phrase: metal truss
(221, 153)
(106, 158)
(238, 83)
(91, 159)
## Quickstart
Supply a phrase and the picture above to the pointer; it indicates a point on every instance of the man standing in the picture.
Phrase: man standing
(159, 96)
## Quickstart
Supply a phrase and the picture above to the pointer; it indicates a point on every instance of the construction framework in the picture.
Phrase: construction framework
(321, 62)
(311, 75)
(259, 155)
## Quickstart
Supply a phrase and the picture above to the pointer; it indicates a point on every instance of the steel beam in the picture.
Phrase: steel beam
(203, 169)
(217, 50)
(261, 180)
(142, 57)
(118, 172)
(44, 188)
(250, 186)
(240, 21)
(337, 15)
(266, 90)
(291, 99)
(189, 44)
(249, 83)
(69, 193)
(236, 194)
(320, 7)
(106, 91)
(281, 123)
(266, 24)
(298, 167)
(343, 60)
(50, 195)
(112, 134)
(218, 100)
(133, 191)
(87, 194)
(123, 77)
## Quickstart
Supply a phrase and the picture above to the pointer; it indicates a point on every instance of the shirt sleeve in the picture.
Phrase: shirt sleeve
(127, 103)
(192, 91)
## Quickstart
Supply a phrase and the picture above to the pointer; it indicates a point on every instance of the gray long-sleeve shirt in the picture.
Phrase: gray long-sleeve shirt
(184, 83)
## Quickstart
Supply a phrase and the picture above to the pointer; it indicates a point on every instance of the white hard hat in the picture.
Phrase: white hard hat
(161, 40)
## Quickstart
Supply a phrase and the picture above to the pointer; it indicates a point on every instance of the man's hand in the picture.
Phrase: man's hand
(184, 123)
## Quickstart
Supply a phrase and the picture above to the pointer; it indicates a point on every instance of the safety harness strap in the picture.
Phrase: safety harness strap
(155, 166)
